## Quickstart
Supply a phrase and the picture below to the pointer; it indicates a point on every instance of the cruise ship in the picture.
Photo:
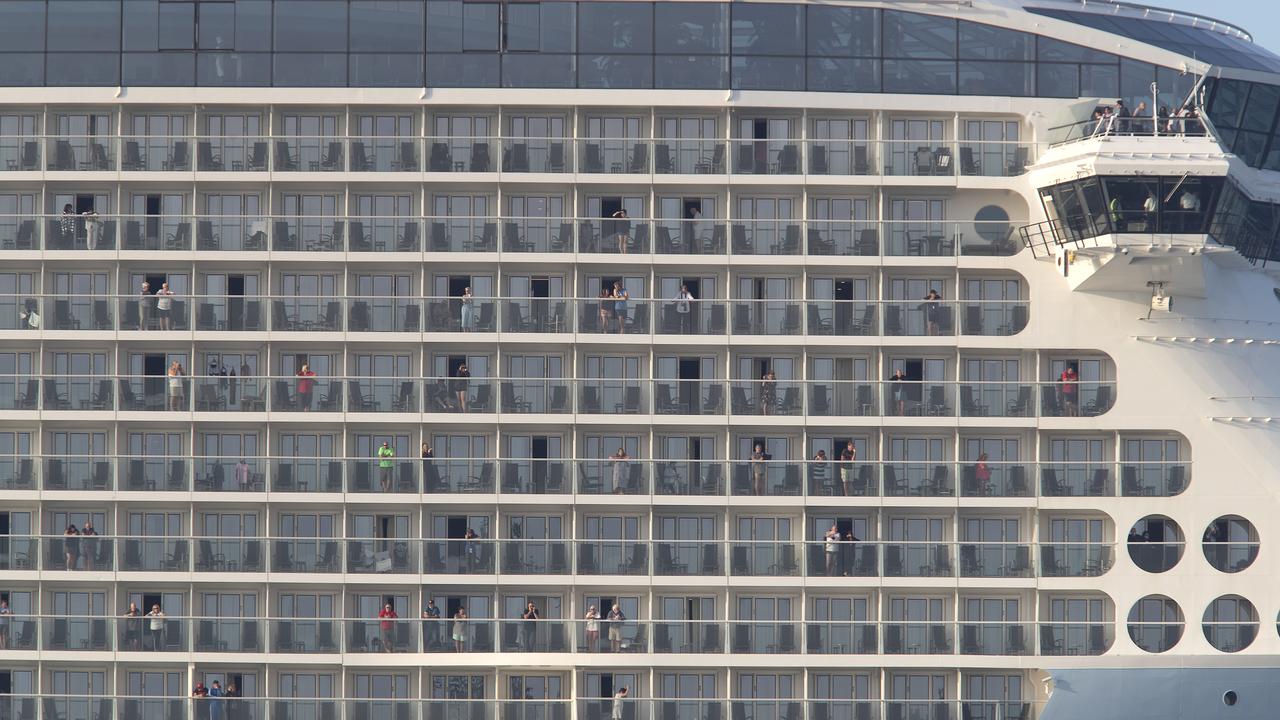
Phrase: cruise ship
(620, 360)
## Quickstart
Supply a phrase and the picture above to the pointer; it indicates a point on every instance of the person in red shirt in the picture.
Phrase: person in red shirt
(306, 384)
(1069, 382)
(387, 626)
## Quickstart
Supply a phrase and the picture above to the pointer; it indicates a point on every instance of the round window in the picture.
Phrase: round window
(1230, 543)
(1230, 623)
(1155, 623)
(1155, 543)
(992, 223)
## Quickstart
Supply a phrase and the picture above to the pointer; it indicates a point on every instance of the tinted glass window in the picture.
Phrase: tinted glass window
(537, 71)
(911, 35)
(310, 70)
(615, 27)
(463, 70)
(22, 25)
(767, 73)
(19, 69)
(177, 26)
(844, 74)
(253, 25)
(1099, 80)
(1056, 50)
(996, 78)
(141, 24)
(768, 29)
(843, 31)
(691, 28)
(988, 42)
(1058, 80)
(82, 69)
(161, 69)
(233, 69)
(691, 72)
(444, 25)
(1260, 113)
(919, 76)
(480, 29)
(216, 23)
(543, 27)
(615, 71)
(306, 25)
(386, 26)
(386, 69)
(83, 25)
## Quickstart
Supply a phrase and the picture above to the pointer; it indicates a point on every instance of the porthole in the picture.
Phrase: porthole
(1155, 623)
(1230, 543)
(1229, 698)
(1155, 543)
(991, 223)
(1230, 623)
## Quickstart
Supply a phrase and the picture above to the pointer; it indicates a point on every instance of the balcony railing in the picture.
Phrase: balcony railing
(107, 233)
(458, 154)
(406, 556)
(151, 633)
(585, 477)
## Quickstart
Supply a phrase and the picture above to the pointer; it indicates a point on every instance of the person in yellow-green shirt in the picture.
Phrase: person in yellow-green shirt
(385, 460)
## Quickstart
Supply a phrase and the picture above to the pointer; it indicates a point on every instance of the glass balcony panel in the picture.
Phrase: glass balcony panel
(79, 312)
(994, 158)
(382, 635)
(692, 236)
(1061, 559)
(688, 558)
(463, 234)
(992, 559)
(539, 636)
(306, 314)
(616, 477)
(1153, 479)
(21, 313)
(916, 638)
(71, 472)
(535, 477)
(155, 153)
(1079, 399)
(304, 635)
(94, 231)
(916, 318)
(461, 154)
(458, 557)
(147, 473)
(766, 157)
(20, 153)
(384, 314)
(149, 232)
(918, 559)
(458, 636)
(768, 638)
(604, 396)
(841, 157)
(845, 238)
(841, 398)
(537, 235)
(995, 479)
(383, 556)
(214, 554)
(228, 394)
(1058, 638)
(385, 154)
(450, 475)
(76, 633)
(152, 554)
(996, 399)
(537, 155)
(1076, 479)
(764, 559)
(767, 317)
(18, 472)
(1231, 556)
(300, 555)
(614, 236)
(688, 477)
(840, 638)
(994, 638)
(993, 239)
(846, 709)
(534, 557)
(93, 553)
(842, 558)
(300, 474)
(383, 395)
(382, 475)
(20, 553)
(630, 317)
(212, 314)
(221, 474)
(847, 479)
(80, 153)
(536, 315)
(918, 479)
(688, 636)
(625, 636)
(695, 317)
(229, 635)
(447, 315)
(61, 706)
(309, 154)
(918, 158)
(766, 478)
(689, 157)
(920, 709)
(612, 557)
(765, 237)
(613, 156)
(232, 153)
(842, 318)
(766, 397)
(1230, 637)
(688, 397)
(455, 394)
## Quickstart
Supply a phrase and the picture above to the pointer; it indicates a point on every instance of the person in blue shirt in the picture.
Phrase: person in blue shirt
(216, 710)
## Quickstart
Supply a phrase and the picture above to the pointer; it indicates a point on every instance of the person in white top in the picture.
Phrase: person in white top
(93, 228)
(164, 304)
(831, 549)
(684, 309)
(618, 699)
(156, 626)
(1189, 204)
